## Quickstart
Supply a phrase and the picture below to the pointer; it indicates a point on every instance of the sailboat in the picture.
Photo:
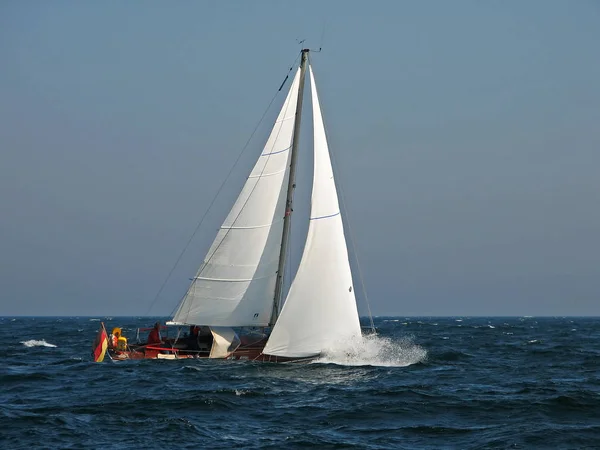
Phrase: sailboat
(240, 285)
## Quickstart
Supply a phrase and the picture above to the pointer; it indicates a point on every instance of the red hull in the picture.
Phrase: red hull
(247, 353)
(250, 349)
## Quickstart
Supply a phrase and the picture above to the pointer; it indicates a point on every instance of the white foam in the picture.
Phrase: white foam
(34, 343)
(374, 350)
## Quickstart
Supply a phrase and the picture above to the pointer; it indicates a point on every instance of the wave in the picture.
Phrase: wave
(374, 350)
(24, 377)
(35, 343)
(452, 356)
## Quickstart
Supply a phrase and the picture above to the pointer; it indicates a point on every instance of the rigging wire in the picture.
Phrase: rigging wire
(350, 232)
(322, 35)
(178, 260)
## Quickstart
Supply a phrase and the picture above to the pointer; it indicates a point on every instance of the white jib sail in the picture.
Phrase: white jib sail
(320, 310)
(235, 285)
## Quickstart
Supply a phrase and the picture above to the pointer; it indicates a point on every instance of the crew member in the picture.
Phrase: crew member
(154, 336)
(114, 338)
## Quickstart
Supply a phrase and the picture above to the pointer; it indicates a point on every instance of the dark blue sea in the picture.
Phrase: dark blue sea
(460, 382)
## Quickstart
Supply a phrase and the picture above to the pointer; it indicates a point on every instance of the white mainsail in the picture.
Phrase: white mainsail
(320, 309)
(236, 283)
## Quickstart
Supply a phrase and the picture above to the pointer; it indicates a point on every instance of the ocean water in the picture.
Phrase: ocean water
(420, 383)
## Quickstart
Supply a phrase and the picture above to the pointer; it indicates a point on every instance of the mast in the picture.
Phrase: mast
(290, 191)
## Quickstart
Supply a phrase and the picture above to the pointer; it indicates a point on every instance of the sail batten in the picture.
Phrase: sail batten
(320, 309)
(236, 282)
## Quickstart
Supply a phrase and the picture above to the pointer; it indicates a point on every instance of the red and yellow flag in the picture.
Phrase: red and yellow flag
(100, 344)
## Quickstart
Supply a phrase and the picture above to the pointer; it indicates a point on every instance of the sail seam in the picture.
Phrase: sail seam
(267, 174)
(325, 217)
(252, 227)
(278, 151)
(233, 280)
(284, 119)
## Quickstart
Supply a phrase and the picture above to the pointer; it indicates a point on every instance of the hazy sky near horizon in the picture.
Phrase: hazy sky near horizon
(466, 133)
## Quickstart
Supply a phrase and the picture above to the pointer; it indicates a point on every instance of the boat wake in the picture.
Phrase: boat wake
(374, 350)
(34, 343)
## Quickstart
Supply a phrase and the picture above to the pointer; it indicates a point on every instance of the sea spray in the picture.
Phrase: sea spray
(34, 343)
(375, 350)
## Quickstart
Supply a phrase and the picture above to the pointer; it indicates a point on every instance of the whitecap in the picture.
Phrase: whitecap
(34, 343)
(374, 350)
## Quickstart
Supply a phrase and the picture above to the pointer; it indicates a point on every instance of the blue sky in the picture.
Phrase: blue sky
(466, 135)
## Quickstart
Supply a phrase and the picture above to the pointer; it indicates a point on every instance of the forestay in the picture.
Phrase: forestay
(320, 309)
(235, 284)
